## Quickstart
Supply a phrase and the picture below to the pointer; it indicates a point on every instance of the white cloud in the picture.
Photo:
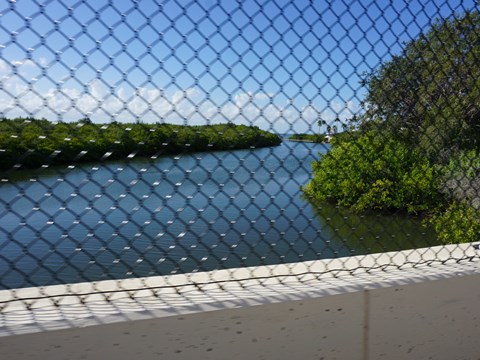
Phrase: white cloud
(181, 95)
(43, 62)
(24, 62)
(191, 105)
(263, 96)
(209, 110)
(241, 99)
(5, 68)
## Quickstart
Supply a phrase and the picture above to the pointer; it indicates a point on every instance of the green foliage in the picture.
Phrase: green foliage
(459, 178)
(316, 138)
(344, 137)
(462, 164)
(429, 95)
(32, 142)
(375, 173)
(416, 147)
(459, 223)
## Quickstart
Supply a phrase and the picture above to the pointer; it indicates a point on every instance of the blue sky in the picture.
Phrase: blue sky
(280, 65)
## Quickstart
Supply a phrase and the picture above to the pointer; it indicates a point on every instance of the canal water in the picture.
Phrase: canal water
(178, 214)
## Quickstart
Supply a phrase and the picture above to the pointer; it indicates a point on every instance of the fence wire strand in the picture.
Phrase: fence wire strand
(152, 138)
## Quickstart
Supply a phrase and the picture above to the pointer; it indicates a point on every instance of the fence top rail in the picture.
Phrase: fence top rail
(62, 306)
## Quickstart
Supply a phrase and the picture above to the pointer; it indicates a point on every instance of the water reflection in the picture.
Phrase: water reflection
(351, 233)
(178, 214)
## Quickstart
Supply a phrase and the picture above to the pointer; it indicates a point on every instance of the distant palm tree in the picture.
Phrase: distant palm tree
(321, 123)
(337, 120)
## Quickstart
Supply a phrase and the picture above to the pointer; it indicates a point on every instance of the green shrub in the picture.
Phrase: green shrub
(459, 223)
(375, 173)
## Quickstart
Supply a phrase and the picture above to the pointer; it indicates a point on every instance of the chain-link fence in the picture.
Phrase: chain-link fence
(145, 138)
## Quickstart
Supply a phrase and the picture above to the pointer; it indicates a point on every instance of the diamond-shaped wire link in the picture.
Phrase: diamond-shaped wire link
(152, 138)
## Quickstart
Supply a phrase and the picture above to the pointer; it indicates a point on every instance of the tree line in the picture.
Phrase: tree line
(316, 138)
(35, 142)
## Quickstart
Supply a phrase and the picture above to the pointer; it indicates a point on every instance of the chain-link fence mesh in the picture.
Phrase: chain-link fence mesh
(145, 138)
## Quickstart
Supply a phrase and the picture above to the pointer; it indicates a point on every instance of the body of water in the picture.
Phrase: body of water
(187, 213)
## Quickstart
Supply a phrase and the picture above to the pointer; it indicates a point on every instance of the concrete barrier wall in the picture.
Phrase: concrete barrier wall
(426, 312)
